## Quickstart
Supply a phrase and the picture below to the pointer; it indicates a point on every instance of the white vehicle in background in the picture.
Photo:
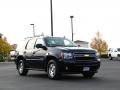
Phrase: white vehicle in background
(13, 55)
(114, 53)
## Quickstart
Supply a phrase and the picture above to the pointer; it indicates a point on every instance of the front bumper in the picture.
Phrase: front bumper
(79, 67)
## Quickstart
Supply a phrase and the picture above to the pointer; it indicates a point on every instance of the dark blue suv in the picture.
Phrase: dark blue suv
(56, 56)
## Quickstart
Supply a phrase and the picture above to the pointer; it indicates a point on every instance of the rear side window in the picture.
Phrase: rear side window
(40, 41)
(31, 44)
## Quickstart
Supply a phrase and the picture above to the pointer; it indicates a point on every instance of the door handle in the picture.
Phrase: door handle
(24, 52)
(34, 52)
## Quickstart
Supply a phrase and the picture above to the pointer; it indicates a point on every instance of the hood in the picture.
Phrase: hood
(76, 49)
(73, 48)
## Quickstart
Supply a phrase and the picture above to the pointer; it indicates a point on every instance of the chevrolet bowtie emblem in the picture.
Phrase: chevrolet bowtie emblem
(86, 55)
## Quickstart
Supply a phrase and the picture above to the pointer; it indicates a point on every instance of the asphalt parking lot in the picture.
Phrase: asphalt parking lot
(108, 78)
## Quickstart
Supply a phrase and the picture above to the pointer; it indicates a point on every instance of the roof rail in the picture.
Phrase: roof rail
(27, 37)
(35, 36)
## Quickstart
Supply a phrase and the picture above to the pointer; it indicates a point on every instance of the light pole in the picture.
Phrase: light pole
(51, 10)
(33, 30)
(72, 25)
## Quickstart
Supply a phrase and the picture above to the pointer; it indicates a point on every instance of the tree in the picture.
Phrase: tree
(0, 35)
(99, 44)
(4, 48)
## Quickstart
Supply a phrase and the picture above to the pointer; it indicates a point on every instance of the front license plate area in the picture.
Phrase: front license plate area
(86, 68)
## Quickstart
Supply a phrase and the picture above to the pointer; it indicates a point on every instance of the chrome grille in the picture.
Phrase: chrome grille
(80, 56)
(84, 58)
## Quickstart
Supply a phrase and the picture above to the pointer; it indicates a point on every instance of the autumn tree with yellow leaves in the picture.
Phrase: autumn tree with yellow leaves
(4, 48)
(99, 44)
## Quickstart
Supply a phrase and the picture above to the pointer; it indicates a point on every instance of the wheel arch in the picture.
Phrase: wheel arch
(48, 58)
(18, 59)
(109, 54)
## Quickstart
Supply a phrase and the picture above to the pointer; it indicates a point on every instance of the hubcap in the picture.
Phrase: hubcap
(21, 67)
(52, 70)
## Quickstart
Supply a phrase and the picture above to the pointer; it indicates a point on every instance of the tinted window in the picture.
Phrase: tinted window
(57, 41)
(31, 44)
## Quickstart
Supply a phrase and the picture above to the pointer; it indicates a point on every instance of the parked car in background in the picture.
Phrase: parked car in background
(114, 53)
(13, 55)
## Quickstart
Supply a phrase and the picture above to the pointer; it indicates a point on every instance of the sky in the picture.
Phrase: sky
(90, 16)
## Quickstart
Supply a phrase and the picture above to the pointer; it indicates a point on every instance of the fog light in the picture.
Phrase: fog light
(98, 59)
(66, 68)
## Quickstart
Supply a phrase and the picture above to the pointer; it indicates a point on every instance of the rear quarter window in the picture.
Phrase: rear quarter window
(21, 45)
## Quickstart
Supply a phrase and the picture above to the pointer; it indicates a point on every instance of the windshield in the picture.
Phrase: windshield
(57, 41)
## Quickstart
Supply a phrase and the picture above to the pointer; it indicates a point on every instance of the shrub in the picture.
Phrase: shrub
(2, 58)
(103, 56)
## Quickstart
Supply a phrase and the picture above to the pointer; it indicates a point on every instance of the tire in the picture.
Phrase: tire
(88, 75)
(110, 57)
(53, 70)
(21, 68)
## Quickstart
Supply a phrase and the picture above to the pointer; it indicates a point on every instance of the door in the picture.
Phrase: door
(29, 53)
(39, 54)
(114, 53)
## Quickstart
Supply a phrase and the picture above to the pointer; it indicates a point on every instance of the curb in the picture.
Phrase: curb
(6, 62)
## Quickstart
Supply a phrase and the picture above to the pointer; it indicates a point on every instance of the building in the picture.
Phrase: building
(81, 43)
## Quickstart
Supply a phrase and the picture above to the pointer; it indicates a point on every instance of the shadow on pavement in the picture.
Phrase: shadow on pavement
(65, 77)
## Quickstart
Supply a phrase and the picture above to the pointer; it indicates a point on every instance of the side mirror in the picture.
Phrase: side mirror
(44, 47)
(38, 45)
(78, 45)
(41, 46)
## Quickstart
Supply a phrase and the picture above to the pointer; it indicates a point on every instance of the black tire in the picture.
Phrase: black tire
(53, 70)
(88, 75)
(21, 68)
(110, 57)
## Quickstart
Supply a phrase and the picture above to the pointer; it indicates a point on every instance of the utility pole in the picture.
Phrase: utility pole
(33, 30)
(72, 25)
(51, 9)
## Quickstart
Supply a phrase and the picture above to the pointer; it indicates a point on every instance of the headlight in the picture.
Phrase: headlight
(98, 56)
(67, 55)
(98, 59)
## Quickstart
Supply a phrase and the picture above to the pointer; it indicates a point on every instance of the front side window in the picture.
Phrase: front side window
(31, 44)
(40, 41)
(57, 41)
